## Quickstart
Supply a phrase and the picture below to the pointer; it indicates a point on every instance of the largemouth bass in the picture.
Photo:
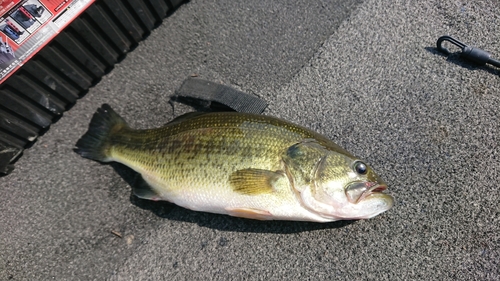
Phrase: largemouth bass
(243, 165)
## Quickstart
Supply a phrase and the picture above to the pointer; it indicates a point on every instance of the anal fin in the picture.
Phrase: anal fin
(249, 213)
(143, 190)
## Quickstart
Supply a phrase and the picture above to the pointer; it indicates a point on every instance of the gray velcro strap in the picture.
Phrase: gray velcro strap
(194, 88)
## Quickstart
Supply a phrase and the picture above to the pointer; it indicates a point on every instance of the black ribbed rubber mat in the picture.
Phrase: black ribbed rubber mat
(47, 85)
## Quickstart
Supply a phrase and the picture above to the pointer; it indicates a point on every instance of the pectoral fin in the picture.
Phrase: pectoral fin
(249, 213)
(253, 181)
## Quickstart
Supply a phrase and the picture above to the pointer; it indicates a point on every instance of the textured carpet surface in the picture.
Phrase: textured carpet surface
(364, 73)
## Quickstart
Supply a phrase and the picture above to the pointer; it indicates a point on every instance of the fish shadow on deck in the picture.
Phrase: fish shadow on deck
(171, 211)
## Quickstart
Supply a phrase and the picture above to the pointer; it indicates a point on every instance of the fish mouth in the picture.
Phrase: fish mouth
(358, 191)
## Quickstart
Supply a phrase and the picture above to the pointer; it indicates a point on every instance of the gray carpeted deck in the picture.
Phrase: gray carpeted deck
(364, 73)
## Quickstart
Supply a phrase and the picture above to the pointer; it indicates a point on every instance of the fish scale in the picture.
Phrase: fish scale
(245, 165)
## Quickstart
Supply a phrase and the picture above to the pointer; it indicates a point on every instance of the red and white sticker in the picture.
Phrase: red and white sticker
(26, 26)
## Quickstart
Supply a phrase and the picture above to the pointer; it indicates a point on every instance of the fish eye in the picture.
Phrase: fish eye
(360, 168)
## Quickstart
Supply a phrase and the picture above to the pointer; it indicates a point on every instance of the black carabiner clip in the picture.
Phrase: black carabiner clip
(474, 54)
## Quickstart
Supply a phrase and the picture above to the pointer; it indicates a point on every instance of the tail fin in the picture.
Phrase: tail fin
(94, 144)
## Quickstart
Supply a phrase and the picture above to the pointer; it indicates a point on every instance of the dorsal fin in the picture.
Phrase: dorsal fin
(186, 116)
